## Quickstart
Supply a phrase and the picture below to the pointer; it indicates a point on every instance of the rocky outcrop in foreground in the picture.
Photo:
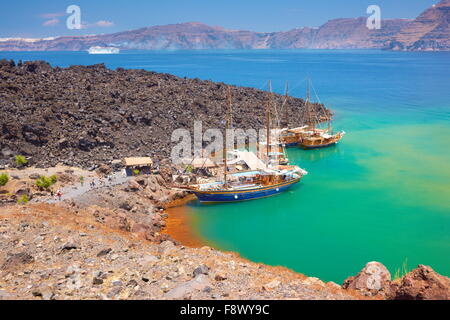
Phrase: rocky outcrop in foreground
(88, 115)
(110, 242)
(422, 283)
(63, 252)
(60, 252)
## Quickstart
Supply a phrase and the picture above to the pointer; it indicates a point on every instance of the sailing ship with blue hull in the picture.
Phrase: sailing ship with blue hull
(244, 193)
(250, 177)
(261, 182)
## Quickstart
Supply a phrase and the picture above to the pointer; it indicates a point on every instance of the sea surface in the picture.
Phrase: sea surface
(383, 194)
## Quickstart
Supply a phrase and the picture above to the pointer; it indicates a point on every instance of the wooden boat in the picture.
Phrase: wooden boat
(274, 150)
(257, 181)
(312, 137)
(287, 137)
(275, 155)
(249, 185)
(317, 138)
(291, 137)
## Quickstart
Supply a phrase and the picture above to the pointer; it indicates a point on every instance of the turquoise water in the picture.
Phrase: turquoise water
(383, 194)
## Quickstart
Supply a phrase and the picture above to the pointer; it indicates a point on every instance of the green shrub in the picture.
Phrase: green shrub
(20, 161)
(44, 182)
(401, 272)
(53, 179)
(82, 180)
(136, 172)
(23, 199)
(4, 178)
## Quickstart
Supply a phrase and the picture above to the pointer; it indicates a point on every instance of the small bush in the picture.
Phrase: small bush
(136, 172)
(23, 199)
(20, 161)
(82, 180)
(53, 179)
(401, 272)
(45, 183)
(4, 178)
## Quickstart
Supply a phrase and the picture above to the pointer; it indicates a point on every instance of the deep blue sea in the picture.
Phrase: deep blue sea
(383, 194)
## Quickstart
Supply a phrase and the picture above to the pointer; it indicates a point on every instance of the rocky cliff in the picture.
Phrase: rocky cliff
(430, 31)
(335, 34)
(338, 34)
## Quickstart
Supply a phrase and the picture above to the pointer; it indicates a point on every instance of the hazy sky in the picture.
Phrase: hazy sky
(39, 18)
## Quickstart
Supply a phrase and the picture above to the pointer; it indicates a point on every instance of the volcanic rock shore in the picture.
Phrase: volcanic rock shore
(52, 252)
(85, 116)
(109, 243)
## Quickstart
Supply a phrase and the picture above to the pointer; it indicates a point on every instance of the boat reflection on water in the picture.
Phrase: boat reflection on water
(317, 154)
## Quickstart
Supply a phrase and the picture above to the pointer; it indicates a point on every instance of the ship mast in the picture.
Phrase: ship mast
(268, 122)
(228, 126)
(309, 119)
(286, 113)
(329, 121)
(286, 116)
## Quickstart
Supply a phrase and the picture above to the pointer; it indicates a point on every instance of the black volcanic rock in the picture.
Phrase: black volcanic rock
(87, 115)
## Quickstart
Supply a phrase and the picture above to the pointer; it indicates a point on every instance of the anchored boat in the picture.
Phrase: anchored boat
(311, 136)
(258, 182)
(318, 138)
(250, 177)
(291, 137)
(103, 50)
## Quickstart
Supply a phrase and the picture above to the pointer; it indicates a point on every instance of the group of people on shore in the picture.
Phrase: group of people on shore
(58, 194)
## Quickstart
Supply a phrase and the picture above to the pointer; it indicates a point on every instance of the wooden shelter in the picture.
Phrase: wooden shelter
(199, 163)
(139, 165)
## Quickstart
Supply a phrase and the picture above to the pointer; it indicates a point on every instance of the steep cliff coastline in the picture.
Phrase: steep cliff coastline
(429, 31)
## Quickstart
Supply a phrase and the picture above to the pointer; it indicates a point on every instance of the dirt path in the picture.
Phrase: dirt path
(78, 189)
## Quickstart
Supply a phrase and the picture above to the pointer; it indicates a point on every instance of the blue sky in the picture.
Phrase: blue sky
(41, 18)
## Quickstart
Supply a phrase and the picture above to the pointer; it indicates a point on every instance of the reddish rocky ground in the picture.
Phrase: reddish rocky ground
(57, 252)
(111, 243)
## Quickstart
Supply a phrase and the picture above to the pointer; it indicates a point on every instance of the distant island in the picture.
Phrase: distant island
(428, 32)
